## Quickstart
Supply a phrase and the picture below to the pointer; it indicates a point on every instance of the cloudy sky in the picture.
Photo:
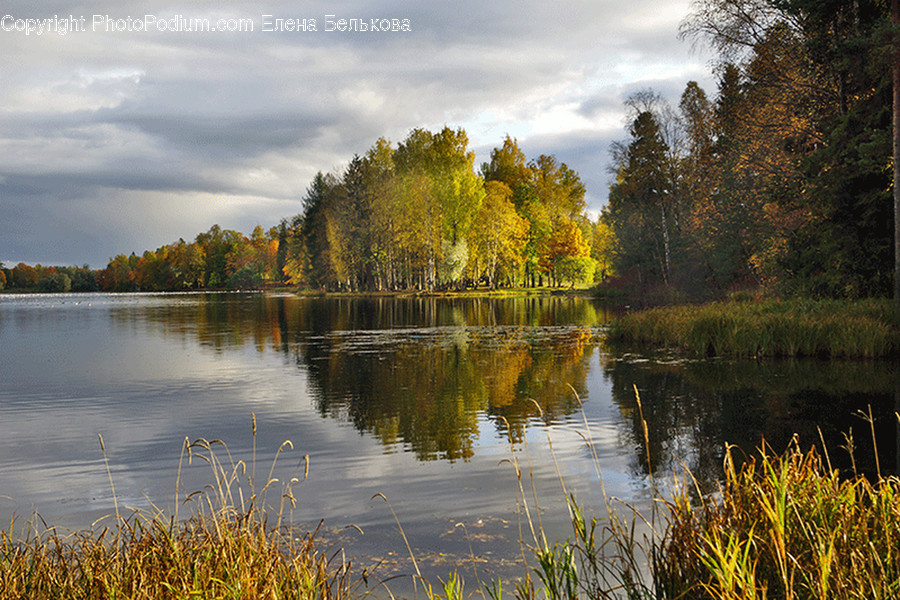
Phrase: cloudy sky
(121, 141)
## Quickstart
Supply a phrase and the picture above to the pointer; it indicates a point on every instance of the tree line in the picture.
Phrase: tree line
(49, 279)
(418, 216)
(415, 216)
(783, 179)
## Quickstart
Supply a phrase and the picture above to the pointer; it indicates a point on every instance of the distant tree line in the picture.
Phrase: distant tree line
(216, 259)
(415, 216)
(783, 178)
(49, 279)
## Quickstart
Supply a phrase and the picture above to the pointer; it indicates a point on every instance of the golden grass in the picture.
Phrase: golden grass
(779, 527)
(228, 547)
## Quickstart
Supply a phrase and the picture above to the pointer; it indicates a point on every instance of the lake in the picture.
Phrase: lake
(429, 402)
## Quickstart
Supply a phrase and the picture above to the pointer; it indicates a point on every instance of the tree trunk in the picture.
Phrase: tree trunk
(665, 231)
(895, 21)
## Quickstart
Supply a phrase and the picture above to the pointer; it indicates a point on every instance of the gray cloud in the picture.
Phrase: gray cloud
(113, 140)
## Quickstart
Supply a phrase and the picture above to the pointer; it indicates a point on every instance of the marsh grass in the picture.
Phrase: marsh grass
(786, 526)
(779, 526)
(233, 544)
(826, 328)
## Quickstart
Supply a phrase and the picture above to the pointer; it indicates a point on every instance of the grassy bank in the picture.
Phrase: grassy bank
(861, 329)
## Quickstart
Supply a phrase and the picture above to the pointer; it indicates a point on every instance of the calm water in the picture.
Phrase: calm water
(425, 401)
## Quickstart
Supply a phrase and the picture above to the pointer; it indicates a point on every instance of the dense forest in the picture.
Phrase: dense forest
(781, 180)
(784, 178)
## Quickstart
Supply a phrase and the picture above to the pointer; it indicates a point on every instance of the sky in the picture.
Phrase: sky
(128, 132)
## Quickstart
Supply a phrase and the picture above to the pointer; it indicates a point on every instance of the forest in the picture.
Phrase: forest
(780, 180)
(783, 179)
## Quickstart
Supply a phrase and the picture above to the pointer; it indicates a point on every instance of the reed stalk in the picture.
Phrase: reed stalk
(225, 548)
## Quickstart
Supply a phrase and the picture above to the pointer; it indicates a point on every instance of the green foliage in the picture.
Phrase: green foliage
(55, 283)
(575, 269)
(640, 202)
(418, 217)
(454, 260)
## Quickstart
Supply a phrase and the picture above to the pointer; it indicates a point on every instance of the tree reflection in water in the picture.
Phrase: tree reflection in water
(425, 374)
(694, 407)
(421, 374)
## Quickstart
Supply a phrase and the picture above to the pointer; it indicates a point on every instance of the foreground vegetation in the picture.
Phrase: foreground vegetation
(229, 547)
(221, 555)
(785, 527)
(779, 527)
(861, 329)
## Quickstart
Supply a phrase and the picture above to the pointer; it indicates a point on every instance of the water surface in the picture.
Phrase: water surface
(426, 401)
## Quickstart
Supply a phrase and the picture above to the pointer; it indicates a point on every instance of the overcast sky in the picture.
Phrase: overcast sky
(118, 142)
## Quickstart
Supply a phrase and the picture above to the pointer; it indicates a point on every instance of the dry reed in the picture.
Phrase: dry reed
(229, 547)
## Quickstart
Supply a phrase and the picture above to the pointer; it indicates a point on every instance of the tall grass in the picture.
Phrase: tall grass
(785, 526)
(234, 544)
(780, 527)
(861, 329)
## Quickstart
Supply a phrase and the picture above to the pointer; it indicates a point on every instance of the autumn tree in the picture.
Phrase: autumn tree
(188, 262)
(507, 165)
(55, 283)
(24, 276)
(498, 236)
(806, 146)
(603, 247)
(545, 192)
(414, 216)
(315, 224)
(569, 256)
(379, 181)
(296, 259)
(120, 274)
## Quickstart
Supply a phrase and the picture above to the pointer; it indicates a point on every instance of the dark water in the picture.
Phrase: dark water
(426, 401)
